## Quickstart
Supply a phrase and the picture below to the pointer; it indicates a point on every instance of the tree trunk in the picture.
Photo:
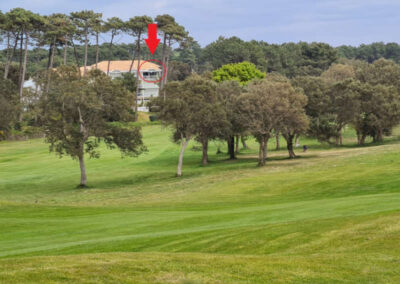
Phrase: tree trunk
(83, 170)
(244, 142)
(204, 144)
(237, 144)
(231, 147)
(362, 140)
(50, 64)
(137, 76)
(86, 51)
(262, 155)
(10, 56)
(278, 144)
(8, 53)
(379, 136)
(20, 58)
(75, 54)
(340, 139)
(289, 141)
(97, 50)
(184, 143)
(133, 57)
(65, 52)
(358, 138)
(109, 54)
(21, 87)
(167, 61)
(49, 55)
(297, 140)
(9, 59)
(163, 59)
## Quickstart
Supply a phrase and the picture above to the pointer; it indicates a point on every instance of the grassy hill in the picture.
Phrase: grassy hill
(332, 215)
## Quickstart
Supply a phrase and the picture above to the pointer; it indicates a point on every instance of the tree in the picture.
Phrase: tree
(265, 105)
(80, 111)
(178, 71)
(137, 26)
(113, 25)
(230, 94)
(172, 33)
(55, 30)
(10, 27)
(209, 120)
(192, 110)
(378, 112)
(98, 28)
(226, 51)
(294, 121)
(27, 23)
(8, 105)
(242, 72)
(339, 72)
(85, 21)
(318, 108)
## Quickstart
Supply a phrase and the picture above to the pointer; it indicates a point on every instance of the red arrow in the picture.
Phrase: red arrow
(152, 41)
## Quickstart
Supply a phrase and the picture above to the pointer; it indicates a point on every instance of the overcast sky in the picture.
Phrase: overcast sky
(333, 21)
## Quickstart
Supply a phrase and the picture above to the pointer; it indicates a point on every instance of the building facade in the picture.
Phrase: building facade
(149, 71)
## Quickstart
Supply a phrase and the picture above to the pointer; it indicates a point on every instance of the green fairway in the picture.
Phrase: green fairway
(331, 215)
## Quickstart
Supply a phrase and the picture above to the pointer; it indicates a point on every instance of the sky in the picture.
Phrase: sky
(337, 22)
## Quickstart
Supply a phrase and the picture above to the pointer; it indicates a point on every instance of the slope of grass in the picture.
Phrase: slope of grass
(332, 215)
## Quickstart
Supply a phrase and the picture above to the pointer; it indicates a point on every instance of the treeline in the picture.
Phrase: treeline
(371, 52)
(245, 101)
(28, 35)
(241, 88)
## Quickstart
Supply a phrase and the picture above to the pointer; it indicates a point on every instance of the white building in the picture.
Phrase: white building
(149, 71)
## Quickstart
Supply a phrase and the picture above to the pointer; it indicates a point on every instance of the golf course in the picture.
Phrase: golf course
(330, 215)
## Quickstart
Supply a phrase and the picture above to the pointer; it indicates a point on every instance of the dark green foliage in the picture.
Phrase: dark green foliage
(8, 106)
(371, 52)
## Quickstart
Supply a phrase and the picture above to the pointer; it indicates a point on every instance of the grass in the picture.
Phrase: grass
(332, 215)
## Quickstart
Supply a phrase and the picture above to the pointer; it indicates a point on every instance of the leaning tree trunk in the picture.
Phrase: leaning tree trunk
(21, 87)
(65, 52)
(51, 61)
(97, 50)
(86, 51)
(133, 56)
(75, 54)
(289, 141)
(204, 144)
(163, 59)
(278, 144)
(167, 61)
(109, 54)
(10, 56)
(184, 143)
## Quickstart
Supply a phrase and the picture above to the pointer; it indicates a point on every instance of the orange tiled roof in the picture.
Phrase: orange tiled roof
(121, 65)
